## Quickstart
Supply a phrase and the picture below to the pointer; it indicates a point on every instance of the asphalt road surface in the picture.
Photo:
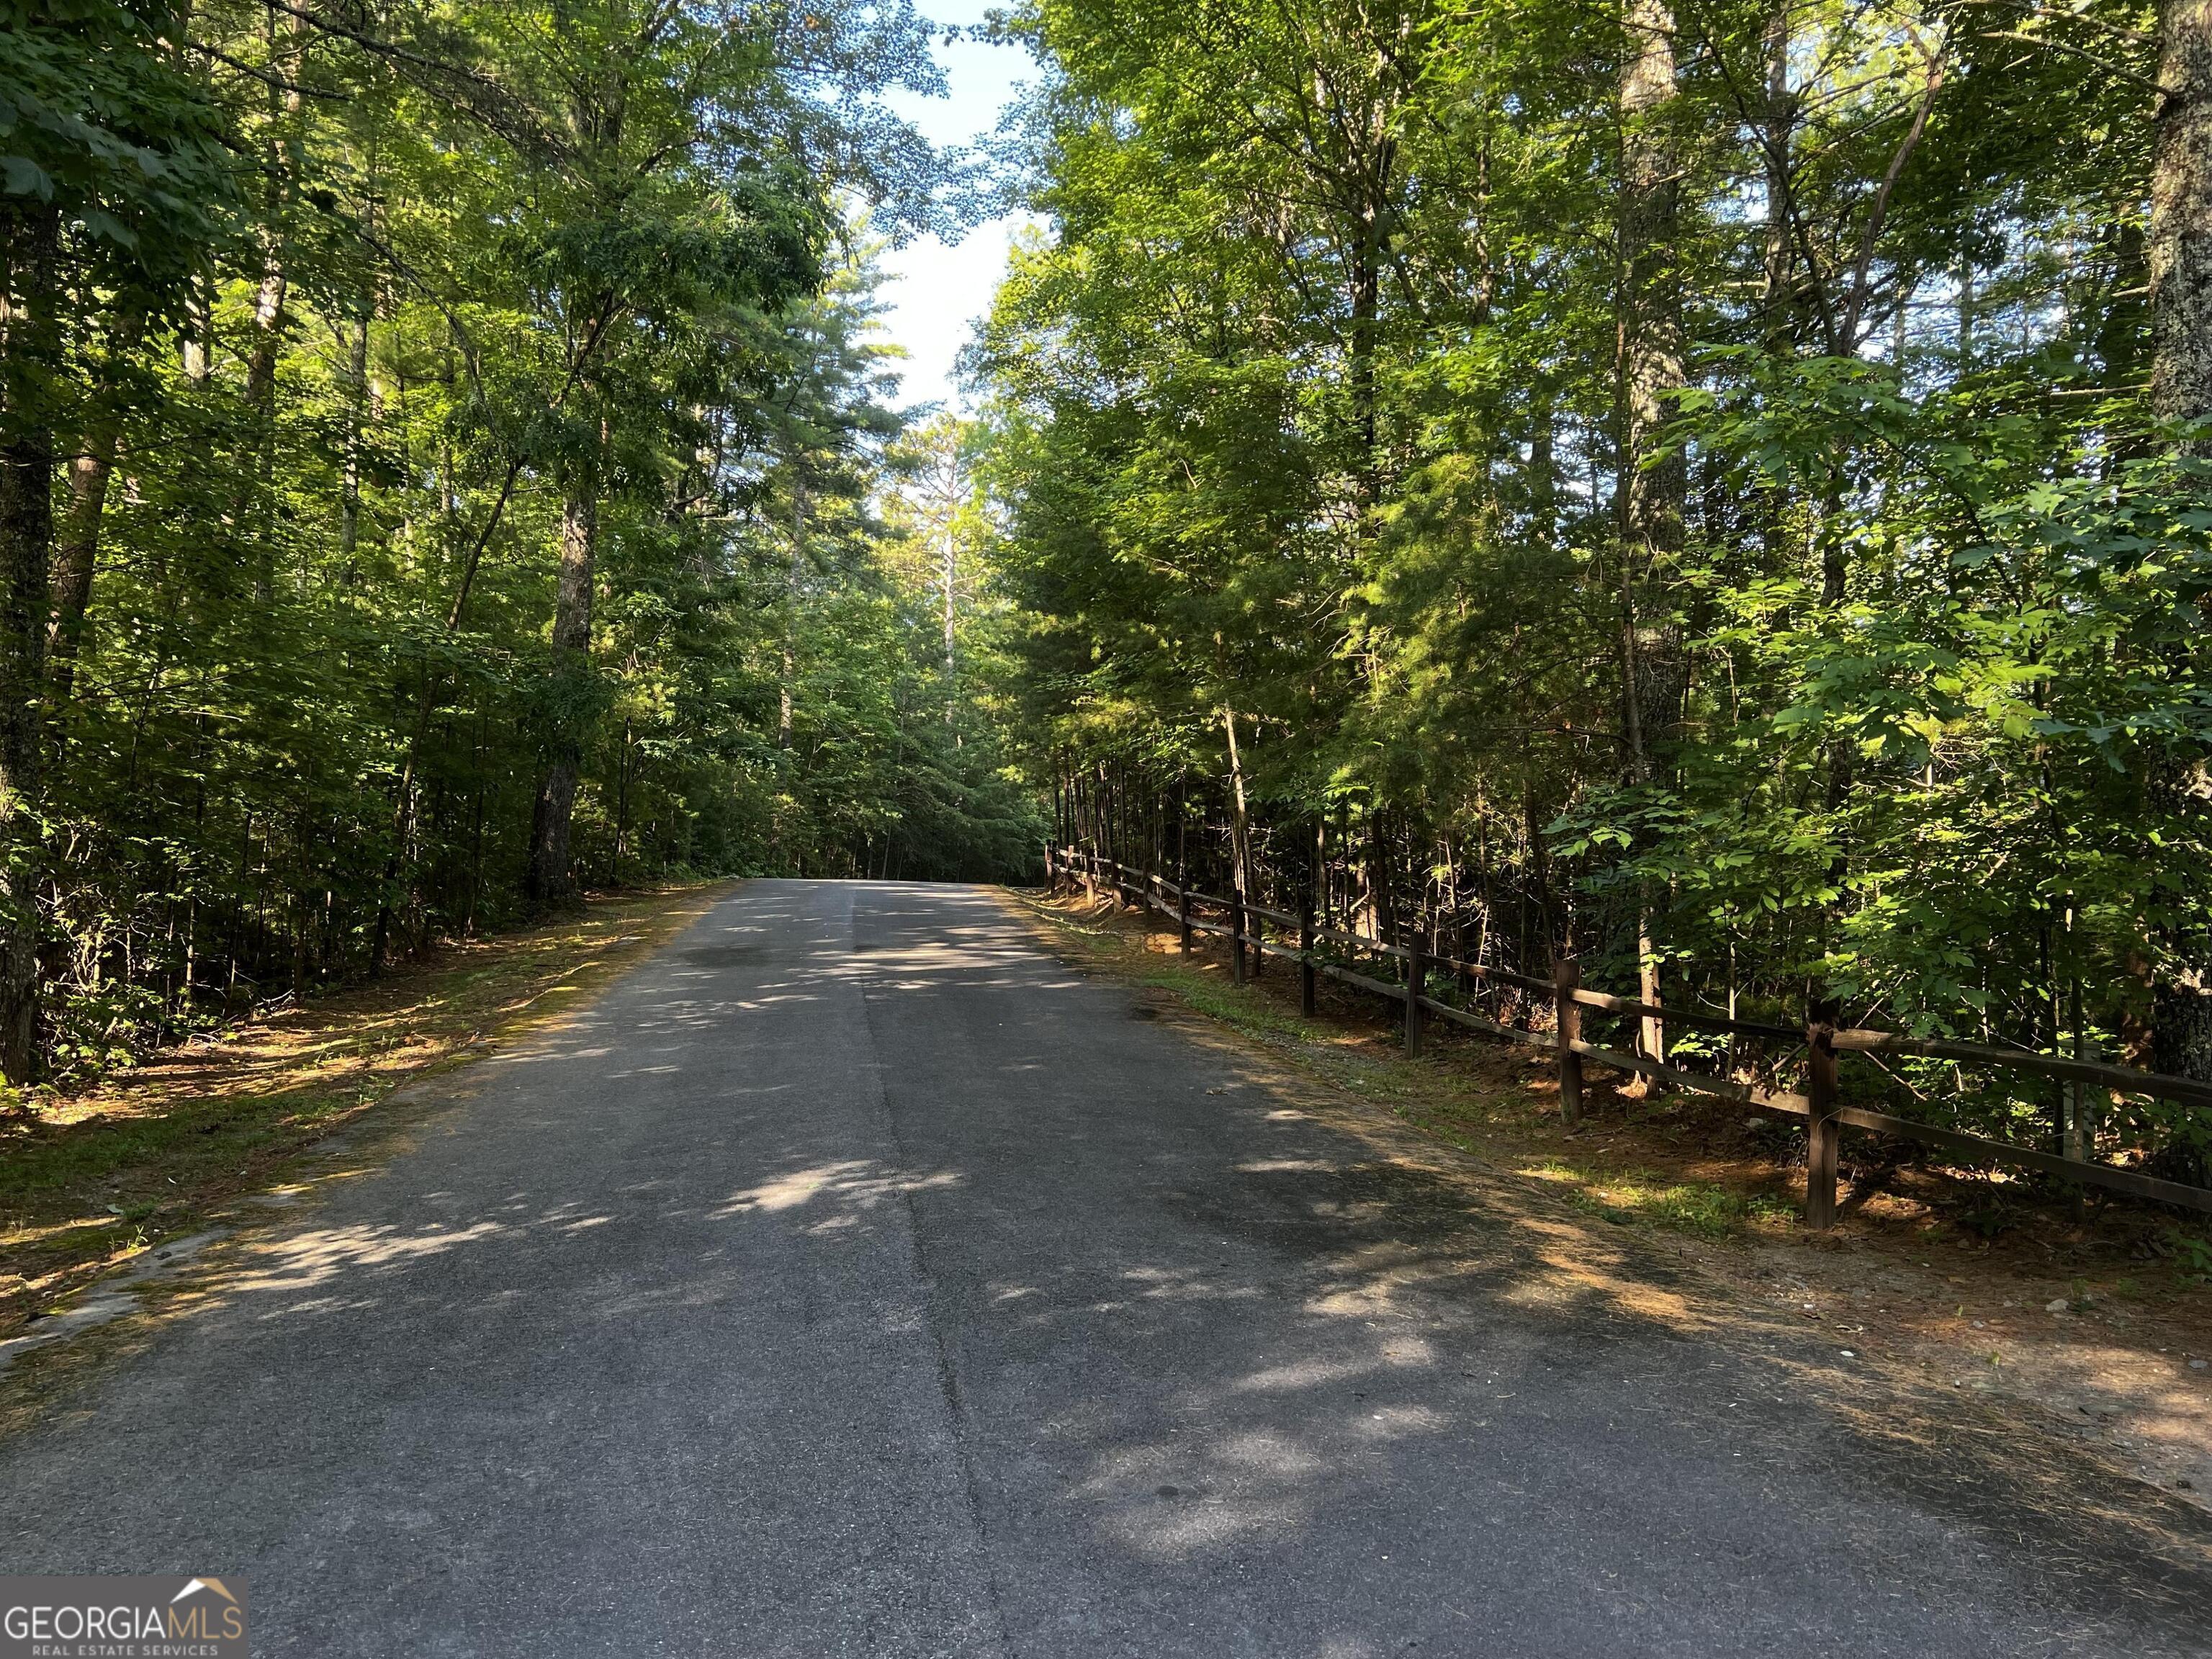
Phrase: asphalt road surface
(855, 1279)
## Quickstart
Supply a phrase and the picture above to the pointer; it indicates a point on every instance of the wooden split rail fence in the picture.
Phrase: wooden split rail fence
(1818, 1106)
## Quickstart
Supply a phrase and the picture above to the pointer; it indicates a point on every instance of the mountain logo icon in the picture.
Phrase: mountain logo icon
(196, 1584)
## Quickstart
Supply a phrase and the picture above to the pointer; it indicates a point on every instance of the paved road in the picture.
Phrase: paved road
(855, 1279)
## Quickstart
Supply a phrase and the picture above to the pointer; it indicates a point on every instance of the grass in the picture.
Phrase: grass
(1225, 1003)
(1698, 1207)
(89, 1179)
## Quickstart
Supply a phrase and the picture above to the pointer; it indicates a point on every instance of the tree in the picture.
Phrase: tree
(393, 400)
(108, 171)
(1728, 540)
(2180, 277)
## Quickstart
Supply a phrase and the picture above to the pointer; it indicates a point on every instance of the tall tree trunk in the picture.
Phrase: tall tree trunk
(1963, 313)
(196, 340)
(362, 310)
(1544, 470)
(1240, 833)
(254, 514)
(76, 544)
(76, 553)
(1381, 881)
(2180, 250)
(1366, 306)
(1652, 487)
(1376, 165)
(793, 583)
(2180, 257)
(551, 879)
(951, 571)
(1777, 123)
(1785, 320)
(30, 366)
(356, 391)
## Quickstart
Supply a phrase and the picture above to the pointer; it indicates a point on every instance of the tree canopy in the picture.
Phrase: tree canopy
(449, 458)
(1716, 488)
(1713, 487)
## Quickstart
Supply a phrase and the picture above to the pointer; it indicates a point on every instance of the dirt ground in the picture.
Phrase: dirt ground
(2092, 1328)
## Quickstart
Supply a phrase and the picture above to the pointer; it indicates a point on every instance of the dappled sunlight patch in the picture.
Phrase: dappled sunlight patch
(1376, 1283)
(326, 1304)
(304, 1260)
(688, 1293)
(1268, 1452)
(1185, 1284)
(1255, 1454)
(1398, 1422)
(1407, 1351)
(1167, 1503)
(859, 1183)
(52, 1230)
(1574, 1273)
(1545, 1227)
(1300, 1374)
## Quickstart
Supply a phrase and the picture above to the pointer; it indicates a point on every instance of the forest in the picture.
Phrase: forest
(1717, 487)
(1714, 488)
(450, 461)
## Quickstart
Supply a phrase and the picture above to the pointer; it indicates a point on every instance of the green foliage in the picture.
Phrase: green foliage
(2193, 1256)
(1311, 413)
(98, 115)
(1626, 1198)
(366, 314)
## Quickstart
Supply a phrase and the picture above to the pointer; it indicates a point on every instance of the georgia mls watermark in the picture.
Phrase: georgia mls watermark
(148, 1617)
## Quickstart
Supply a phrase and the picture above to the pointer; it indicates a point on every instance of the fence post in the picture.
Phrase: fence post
(1236, 932)
(1822, 1132)
(1417, 974)
(2078, 1136)
(1258, 924)
(2080, 1130)
(1566, 980)
(1306, 961)
(1183, 918)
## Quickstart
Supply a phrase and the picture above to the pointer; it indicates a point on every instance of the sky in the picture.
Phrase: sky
(934, 294)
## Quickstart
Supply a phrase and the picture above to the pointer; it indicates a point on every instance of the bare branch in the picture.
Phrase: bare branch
(1878, 210)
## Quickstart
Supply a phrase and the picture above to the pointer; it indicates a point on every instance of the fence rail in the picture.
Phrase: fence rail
(1819, 1107)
